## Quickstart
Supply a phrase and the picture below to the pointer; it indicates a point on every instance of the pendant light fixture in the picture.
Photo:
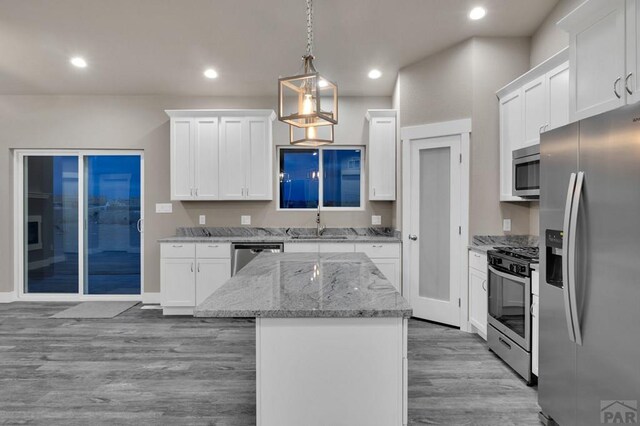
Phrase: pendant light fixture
(308, 101)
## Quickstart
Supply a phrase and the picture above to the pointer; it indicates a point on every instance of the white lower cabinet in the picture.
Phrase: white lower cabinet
(535, 321)
(190, 273)
(478, 292)
(386, 256)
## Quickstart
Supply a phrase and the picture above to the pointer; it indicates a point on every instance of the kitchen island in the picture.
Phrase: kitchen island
(331, 338)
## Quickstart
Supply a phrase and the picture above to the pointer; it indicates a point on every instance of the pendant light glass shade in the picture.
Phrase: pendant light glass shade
(311, 136)
(307, 100)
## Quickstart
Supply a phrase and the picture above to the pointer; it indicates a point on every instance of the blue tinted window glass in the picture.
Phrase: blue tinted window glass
(299, 178)
(341, 181)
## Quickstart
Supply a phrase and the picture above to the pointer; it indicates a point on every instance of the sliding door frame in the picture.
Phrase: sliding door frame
(19, 225)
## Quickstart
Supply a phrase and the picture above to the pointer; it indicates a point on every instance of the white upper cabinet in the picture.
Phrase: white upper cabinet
(259, 179)
(221, 154)
(597, 44)
(206, 154)
(233, 150)
(534, 104)
(182, 170)
(558, 97)
(530, 105)
(381, 154)
(511, 137)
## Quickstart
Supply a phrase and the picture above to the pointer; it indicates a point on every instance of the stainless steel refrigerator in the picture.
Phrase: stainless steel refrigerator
(589, 356)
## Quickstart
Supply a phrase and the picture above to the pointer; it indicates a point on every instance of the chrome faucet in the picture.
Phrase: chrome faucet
(319, 228)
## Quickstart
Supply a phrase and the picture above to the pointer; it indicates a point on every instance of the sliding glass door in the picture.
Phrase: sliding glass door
(82, 223)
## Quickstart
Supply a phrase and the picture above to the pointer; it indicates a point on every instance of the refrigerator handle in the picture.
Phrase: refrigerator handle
(577, 197)
(565, 256)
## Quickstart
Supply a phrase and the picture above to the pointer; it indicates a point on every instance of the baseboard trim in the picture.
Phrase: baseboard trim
(151, 298)
(7, 297)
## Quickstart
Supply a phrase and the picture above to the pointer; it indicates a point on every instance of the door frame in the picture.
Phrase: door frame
(18, 228)
(414, 133)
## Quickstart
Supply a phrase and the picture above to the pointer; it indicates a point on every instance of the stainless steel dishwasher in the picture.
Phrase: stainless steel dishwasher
(244, 253)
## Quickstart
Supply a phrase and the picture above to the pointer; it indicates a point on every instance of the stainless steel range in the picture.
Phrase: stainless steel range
(509, 306)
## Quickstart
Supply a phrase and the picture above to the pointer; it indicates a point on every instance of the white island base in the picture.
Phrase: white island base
(331, 371)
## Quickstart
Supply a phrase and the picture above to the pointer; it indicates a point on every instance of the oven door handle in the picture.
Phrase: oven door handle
(565, 256)
(507, 276)
(571, 261)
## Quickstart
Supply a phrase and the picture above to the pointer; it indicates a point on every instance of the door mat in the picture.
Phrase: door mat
(95, 310)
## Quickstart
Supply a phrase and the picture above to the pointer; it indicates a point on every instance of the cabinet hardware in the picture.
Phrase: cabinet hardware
(196, 192)
(374, 191)
(214, 246)
(198, 267)
(504, 342)
(191, 266)
(484, 285)
(191, 192)
(413, 237)
(626, 83)
(177, 245)
(615, 87)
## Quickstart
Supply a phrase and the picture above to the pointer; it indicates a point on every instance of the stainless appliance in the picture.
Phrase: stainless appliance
(243, 253)
(509, 306)
(526, 172)
(589, 366)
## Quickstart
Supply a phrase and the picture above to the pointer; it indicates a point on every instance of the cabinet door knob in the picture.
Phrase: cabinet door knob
(413, 237)
(615, 87)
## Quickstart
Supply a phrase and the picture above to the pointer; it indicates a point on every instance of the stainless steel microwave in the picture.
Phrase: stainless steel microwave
(526, 172)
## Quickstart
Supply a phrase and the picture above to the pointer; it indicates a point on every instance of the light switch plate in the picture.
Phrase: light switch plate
(164, 208)
(506, 225)
(245, 220)
(203, 219)
(376, 220)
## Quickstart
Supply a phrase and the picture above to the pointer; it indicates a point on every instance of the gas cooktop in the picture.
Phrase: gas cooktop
(525, 253)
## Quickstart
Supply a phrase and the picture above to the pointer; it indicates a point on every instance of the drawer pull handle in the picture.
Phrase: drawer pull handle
(213, 246)
(177, 245)
(504, 342)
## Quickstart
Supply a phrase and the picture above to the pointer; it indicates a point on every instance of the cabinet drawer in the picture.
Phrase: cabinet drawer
(379, 250)
(178, 250)
(335, 248)
(478, 261)
(213, 251)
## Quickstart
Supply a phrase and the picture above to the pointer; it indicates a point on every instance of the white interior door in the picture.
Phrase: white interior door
(435, 217)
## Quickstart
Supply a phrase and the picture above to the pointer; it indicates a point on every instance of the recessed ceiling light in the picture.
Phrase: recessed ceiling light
(78, 62)
(375, 74)
(477, 13)
(210, 73)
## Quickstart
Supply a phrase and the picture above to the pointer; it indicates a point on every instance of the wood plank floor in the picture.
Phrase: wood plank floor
(141, 368)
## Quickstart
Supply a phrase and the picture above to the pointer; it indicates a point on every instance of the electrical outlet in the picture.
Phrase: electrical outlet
(376, 220)
(245, 220)
(506, 225)
(164, 208)
(203, 219)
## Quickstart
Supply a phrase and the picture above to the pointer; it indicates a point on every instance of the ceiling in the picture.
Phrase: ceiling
(145, 47)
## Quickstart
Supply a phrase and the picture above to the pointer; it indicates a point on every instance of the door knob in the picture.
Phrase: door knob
(413, 237)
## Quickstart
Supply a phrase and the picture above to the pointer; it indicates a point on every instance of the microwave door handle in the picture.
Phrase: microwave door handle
(565, 256)
(577, 197)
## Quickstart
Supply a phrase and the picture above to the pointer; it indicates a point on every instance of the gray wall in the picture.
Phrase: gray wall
(548, 39)
(139, 122)
(464, 79)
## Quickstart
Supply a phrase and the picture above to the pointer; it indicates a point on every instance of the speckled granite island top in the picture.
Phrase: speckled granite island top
(303, 285)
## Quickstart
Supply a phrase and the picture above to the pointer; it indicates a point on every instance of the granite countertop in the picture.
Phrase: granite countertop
(247, 234)
(484, 243)
(296, 285)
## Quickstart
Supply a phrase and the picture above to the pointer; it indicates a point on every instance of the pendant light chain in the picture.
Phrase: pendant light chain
(309, 27)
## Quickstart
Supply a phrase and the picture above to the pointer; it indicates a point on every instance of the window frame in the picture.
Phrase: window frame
(321, 180)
